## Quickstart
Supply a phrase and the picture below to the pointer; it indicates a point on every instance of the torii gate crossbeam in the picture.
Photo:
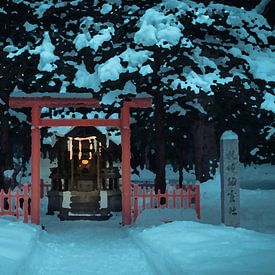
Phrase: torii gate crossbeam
(85, 101)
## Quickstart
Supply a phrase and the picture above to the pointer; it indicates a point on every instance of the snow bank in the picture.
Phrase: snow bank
(16, 243)
(193, 248)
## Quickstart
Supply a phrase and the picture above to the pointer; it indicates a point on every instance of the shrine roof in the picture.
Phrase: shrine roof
(76, 100)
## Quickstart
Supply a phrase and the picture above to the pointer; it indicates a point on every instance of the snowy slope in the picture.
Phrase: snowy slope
(151, 246)
(16, 243)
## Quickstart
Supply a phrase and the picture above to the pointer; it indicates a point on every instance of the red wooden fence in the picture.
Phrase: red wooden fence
(188, 194)
(13, 203)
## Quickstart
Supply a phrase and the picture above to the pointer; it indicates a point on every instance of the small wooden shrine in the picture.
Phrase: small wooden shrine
(85, 183)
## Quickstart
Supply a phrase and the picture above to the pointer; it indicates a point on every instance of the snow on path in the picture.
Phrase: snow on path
(86, 247)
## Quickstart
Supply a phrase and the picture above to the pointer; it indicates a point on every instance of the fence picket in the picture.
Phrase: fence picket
(174, 198)
(192, 194)
(9, 202)
(13, 201)
(17, 197)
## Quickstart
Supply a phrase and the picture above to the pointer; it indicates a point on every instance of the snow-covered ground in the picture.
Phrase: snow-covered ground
(184, 246)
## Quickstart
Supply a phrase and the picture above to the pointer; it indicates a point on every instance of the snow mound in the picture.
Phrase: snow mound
(17, 240)
(213, 249)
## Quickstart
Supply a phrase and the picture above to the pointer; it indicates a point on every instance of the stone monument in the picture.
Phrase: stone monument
(230, 184)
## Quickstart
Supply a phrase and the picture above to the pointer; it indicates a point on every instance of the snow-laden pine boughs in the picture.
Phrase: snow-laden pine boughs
(211, 62)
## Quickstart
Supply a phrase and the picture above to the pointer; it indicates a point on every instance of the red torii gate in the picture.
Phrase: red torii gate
(37, 101)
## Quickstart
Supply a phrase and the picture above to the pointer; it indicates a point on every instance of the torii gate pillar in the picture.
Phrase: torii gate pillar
(35, 165)
(126, 165)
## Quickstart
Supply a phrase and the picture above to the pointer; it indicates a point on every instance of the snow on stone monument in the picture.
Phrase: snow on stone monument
(230, 185)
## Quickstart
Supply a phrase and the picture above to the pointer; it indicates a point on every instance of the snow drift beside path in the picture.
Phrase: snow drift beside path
(17, 240)
(193, 248)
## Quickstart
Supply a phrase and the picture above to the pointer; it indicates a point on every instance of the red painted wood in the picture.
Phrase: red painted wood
(35, 166)
(174, 198)
(9, 196)
(135, 201)
(124, 123)
(188, 191)
(26, 204)
(126, 167)
(80, 122)
(51, 102)
(17, 197)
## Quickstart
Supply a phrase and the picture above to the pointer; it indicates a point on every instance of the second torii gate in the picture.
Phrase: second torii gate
(37, 101)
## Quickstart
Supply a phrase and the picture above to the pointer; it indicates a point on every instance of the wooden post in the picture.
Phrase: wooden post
(230, 185)
(126, 165)
(174, 198)
(17, 198)
(35, 166)
(9, 202)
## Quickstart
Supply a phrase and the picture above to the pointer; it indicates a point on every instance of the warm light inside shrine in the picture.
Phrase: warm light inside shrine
(84, 161)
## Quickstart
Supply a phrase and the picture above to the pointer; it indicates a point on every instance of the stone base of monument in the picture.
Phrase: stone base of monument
(93, 205)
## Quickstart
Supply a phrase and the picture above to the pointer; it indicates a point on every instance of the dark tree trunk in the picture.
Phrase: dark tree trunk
(160, 145)
(180, 176)
(5, 148)
(205, 149)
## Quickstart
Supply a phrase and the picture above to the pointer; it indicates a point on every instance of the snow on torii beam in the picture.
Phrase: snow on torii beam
(37, 100)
